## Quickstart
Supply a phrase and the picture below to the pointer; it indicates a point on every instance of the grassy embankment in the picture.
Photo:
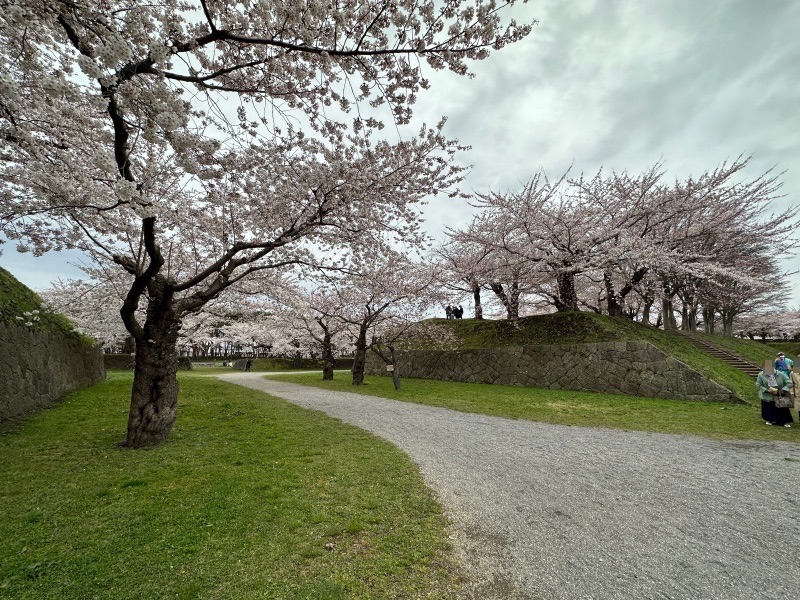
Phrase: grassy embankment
(714, 420)
(20, 305)
(251, 497)
(585, 327)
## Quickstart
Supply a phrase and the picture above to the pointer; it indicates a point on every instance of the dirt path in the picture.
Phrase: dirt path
(556, 512)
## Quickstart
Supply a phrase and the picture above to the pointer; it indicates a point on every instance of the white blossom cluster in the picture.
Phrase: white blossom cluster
(89, 67)
(622, 244)
(29, 317)
(189, 146)
(114, 51)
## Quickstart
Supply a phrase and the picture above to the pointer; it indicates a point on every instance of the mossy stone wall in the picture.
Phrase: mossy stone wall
(634, 367)
(37, 368)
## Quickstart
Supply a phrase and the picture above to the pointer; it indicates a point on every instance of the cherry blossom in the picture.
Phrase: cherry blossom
(615, 234)
(195, 144)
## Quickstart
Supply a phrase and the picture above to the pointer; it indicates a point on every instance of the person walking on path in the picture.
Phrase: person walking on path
(771, 383)
(248, 364)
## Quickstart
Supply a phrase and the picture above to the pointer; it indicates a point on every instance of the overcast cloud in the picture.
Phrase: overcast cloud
(613, 83)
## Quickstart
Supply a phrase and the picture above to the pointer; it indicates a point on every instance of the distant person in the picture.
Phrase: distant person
(793, 376)
(772, 383)
(458, 312)
(448, 311)
(248, 364)
(783, 364)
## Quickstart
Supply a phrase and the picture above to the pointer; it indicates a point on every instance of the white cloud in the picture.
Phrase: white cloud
(623, 84)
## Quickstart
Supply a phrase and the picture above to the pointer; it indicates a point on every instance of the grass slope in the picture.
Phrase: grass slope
(755, 352)
(586, 327)
(791, 348)
(240, 503)
(16, 299)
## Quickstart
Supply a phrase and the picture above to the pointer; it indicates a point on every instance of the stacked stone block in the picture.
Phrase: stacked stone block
(633, 367)
(38, 368)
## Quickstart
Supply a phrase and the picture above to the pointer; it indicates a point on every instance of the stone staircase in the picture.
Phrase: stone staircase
(725, 355)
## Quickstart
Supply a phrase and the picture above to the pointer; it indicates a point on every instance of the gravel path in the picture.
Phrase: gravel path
(554, 512)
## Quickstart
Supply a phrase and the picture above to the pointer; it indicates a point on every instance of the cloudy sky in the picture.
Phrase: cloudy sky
(613, 83)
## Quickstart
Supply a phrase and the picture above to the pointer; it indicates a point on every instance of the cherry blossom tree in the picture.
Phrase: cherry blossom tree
(377, 300)
(491, 263)
(316, 314)
(171, 139)
(93, 306)
(769, 323)
(624, 231)
(464, 265)
(404, 334)
(717, 221)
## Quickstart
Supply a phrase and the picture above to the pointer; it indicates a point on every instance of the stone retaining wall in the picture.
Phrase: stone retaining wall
(635, 367)
(118, 361)
(38, 368)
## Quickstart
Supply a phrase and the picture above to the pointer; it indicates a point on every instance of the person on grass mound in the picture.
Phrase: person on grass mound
(772, 386)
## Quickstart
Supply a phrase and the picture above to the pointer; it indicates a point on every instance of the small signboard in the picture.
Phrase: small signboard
(390, 368)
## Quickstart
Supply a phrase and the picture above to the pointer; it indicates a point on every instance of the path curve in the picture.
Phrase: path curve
(554, 512)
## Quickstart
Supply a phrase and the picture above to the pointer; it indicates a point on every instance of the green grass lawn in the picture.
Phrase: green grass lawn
(251, 497)
(586, 409)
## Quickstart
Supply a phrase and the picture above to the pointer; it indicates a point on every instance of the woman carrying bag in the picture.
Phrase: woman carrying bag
(775, 391)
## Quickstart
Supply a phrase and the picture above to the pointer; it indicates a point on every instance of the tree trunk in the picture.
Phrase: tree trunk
(708, 320)
(648, 304)
(513, 302)
(668, 315)
(476, 297)
(567, 296)
(154, 397)
(727, 322)
(129, 345)
(620, 299)
(727, 328)
(390, 360)
(509, 301)
(395, 371)
(328, 362)
(360, 357)
(612, 304)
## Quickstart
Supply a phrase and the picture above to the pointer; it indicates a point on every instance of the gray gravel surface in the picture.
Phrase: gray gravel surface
(556, 512)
